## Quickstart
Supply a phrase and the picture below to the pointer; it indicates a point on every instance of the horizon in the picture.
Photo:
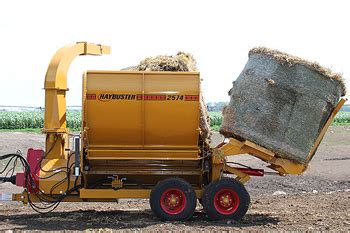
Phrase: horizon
(79, 106)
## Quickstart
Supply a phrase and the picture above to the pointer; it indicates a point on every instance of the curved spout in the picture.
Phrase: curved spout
(56, 83)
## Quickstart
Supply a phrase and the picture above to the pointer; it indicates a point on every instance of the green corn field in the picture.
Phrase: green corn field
(35, 119)
(342, 118)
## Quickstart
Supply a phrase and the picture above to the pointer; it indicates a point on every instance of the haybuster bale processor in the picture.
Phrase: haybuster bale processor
(139, 139)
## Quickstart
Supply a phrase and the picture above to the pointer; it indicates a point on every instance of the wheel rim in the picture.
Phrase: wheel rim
(173, 201)
(226, 201)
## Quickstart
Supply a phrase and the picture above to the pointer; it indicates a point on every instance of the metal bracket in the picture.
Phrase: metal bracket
(77, 156)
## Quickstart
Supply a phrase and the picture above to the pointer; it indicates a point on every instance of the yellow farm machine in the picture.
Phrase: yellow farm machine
(139, 139)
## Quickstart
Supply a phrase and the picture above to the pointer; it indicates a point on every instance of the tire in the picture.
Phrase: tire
(173, 199)
(225, 199)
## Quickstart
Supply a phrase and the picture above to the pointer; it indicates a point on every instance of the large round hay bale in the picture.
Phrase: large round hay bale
(281, 102)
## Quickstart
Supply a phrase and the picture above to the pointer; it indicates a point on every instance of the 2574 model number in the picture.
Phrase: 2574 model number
(174, 97)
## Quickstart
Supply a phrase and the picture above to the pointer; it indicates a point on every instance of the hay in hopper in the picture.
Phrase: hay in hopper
(180, 62)
(281, 102)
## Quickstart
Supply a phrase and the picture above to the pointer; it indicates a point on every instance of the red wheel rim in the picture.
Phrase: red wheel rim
(173, 201)
(226, 201)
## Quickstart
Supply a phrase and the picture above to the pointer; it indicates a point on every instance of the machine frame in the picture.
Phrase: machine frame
(57, 142)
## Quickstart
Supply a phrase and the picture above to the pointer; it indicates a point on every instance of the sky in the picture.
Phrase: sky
(218, 33)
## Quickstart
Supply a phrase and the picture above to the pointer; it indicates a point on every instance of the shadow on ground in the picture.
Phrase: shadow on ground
(91, 219)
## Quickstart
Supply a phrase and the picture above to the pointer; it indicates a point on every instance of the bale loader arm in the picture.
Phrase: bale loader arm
(281, 165)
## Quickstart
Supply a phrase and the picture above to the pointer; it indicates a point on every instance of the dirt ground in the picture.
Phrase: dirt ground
(319, 199)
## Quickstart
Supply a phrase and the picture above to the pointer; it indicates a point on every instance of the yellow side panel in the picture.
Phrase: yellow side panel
(172, 121)
(158, 110)
(113, 122)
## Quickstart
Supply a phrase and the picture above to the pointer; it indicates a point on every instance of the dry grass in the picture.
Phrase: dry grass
(180, 62)
(290, 60)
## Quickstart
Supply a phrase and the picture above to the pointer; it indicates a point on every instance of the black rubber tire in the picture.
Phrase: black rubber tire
(225, 184)
(173, 183)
